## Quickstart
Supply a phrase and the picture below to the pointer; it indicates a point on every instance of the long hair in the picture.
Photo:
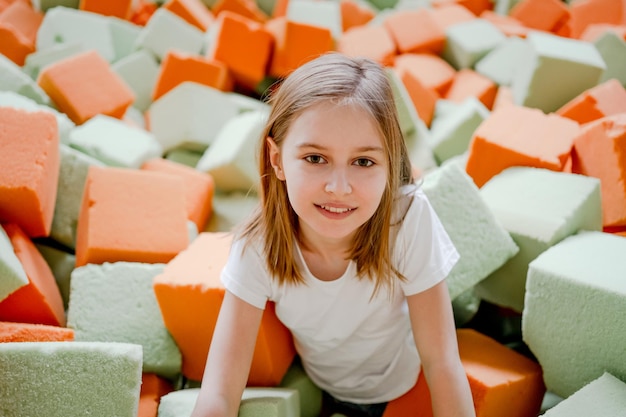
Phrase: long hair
(342, 80)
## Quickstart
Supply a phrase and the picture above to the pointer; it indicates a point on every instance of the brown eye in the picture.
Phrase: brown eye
(314, 159)
(364, 162)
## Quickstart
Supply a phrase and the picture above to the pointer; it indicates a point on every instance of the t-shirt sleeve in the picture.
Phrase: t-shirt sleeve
(424, 253)
(245, 274)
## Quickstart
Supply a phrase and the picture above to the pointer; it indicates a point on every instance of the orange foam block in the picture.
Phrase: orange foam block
(588, 12)
(433, 71)
(469, 83)
(603, 100)
(295, 44)
(39, 301)
(142, 12)
(116, 8)
(30, 164)
(178, 67)
(422, 97)
(131, 215)
(508, 25)
(195, 12)
(519, 136)
(19, 24)
(371, 41)
(416, 31)
(600, 151)
(546, 15)
(190, 294)
(246, 8)
(244, 45)
(354, 14)
(450, 14)
(199, 188)
(28, 332)
(84, 85)
(503, 382)
(595, 30)
(474, 6)
(153, 387)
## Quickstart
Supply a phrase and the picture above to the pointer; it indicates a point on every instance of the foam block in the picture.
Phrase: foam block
(181, 118)
(355, 13)
(38, 59)
(295, 43)
(520, 136)
(117, 8)
(114, 142)
(12, 274)
(61, 264)
(177, 68)
(599, 152)
(451, 13)
(190, 287)
(193, 11)
(26, 332)
(451, 134)
(130, 215)
(474, 6)
(28, 180)
(554, 70)
(71, 182)
(70, 378)
(467, 42)
(431, 70)
(19, 23)
(605, 395)
(99, 312)
(165, 31)
(415, 31)
(500, 63)
(612, 48)
(310, 394)
(13, 79)
(539, 208)
(124, 35)
(545, 15)
(502, 381)
(573, 293)
(469, 83)
(312, 12)
(199, 188)
(588, 12)
(605, 99)
(370, 41)
(139, 71)
(423, 99)
(84, 85)
(508, 25)
(153, 387)
(230, 209)
(246, 8)
(483, 243)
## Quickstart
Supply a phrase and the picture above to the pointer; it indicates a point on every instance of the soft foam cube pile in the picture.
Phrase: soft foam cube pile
(571, 320)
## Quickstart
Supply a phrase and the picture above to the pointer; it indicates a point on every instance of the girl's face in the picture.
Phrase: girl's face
(335, 169)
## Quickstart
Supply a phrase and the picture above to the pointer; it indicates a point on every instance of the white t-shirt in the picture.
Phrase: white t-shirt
(359, 349)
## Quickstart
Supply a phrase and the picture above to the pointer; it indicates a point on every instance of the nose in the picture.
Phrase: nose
(338, 182)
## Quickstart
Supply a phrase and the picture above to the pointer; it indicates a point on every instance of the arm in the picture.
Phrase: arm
(229, 359)
(434, 331)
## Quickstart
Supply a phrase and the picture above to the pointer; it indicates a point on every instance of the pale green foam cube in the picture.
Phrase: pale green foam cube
(115, 142)
(451, 134)
(612, 48)
(13, 79)
(72, 177)
(140, 71)
(310, 395)
(184, 156)
(61, 379)
(246, 103)
(573, 319)
(61, 264)
(124, 34)
(115, 302)
(166, 30)
(326, 14)
(481, 241)
(604, 396)
(44, 5)
(467, 42)
(231, 158)
(190, 116)
(12, 274)
(539, 208)
(554, 70)
(230, 210)
(500, 63)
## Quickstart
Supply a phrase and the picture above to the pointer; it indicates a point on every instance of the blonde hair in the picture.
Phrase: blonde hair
(342, 80)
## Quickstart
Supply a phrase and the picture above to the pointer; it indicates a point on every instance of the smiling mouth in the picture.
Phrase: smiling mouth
(336, 209)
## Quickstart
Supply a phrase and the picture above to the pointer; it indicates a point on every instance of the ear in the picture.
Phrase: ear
(275, 160)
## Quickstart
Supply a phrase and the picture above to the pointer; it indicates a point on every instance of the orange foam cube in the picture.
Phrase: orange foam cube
(508, 25)
(84, 85)
(588, 12)
(199, 188)
(450, 14)
(246, 8)
(369, 41)
(469, 83)
(600, 151)
(503, 382)
(603, 100)
(422, 97)
(244, 45)
(30, 163)
(117, 8)
(354, 14)
(519, 136)
(546, 15)
(433, 71)
(474, 6)
(295, 44)
(153, 387)
(416, 31)
(28, 332)
(178, 67)
(39, 301)
(194, 12)
(19, 24)
(190, 294)
(131, 215)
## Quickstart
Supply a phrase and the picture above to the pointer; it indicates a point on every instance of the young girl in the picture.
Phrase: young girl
(347, 247)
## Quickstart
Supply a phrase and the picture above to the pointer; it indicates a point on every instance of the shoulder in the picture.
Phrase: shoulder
(410, 200)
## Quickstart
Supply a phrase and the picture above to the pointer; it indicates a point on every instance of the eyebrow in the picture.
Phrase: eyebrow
(360, 149)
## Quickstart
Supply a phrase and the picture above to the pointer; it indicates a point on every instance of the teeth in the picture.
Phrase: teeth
(335, 209)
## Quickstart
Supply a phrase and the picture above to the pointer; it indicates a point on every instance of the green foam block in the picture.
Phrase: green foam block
(115, 302)
(61, 379)
(309, 393)
(12, 274)
(573, 319)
